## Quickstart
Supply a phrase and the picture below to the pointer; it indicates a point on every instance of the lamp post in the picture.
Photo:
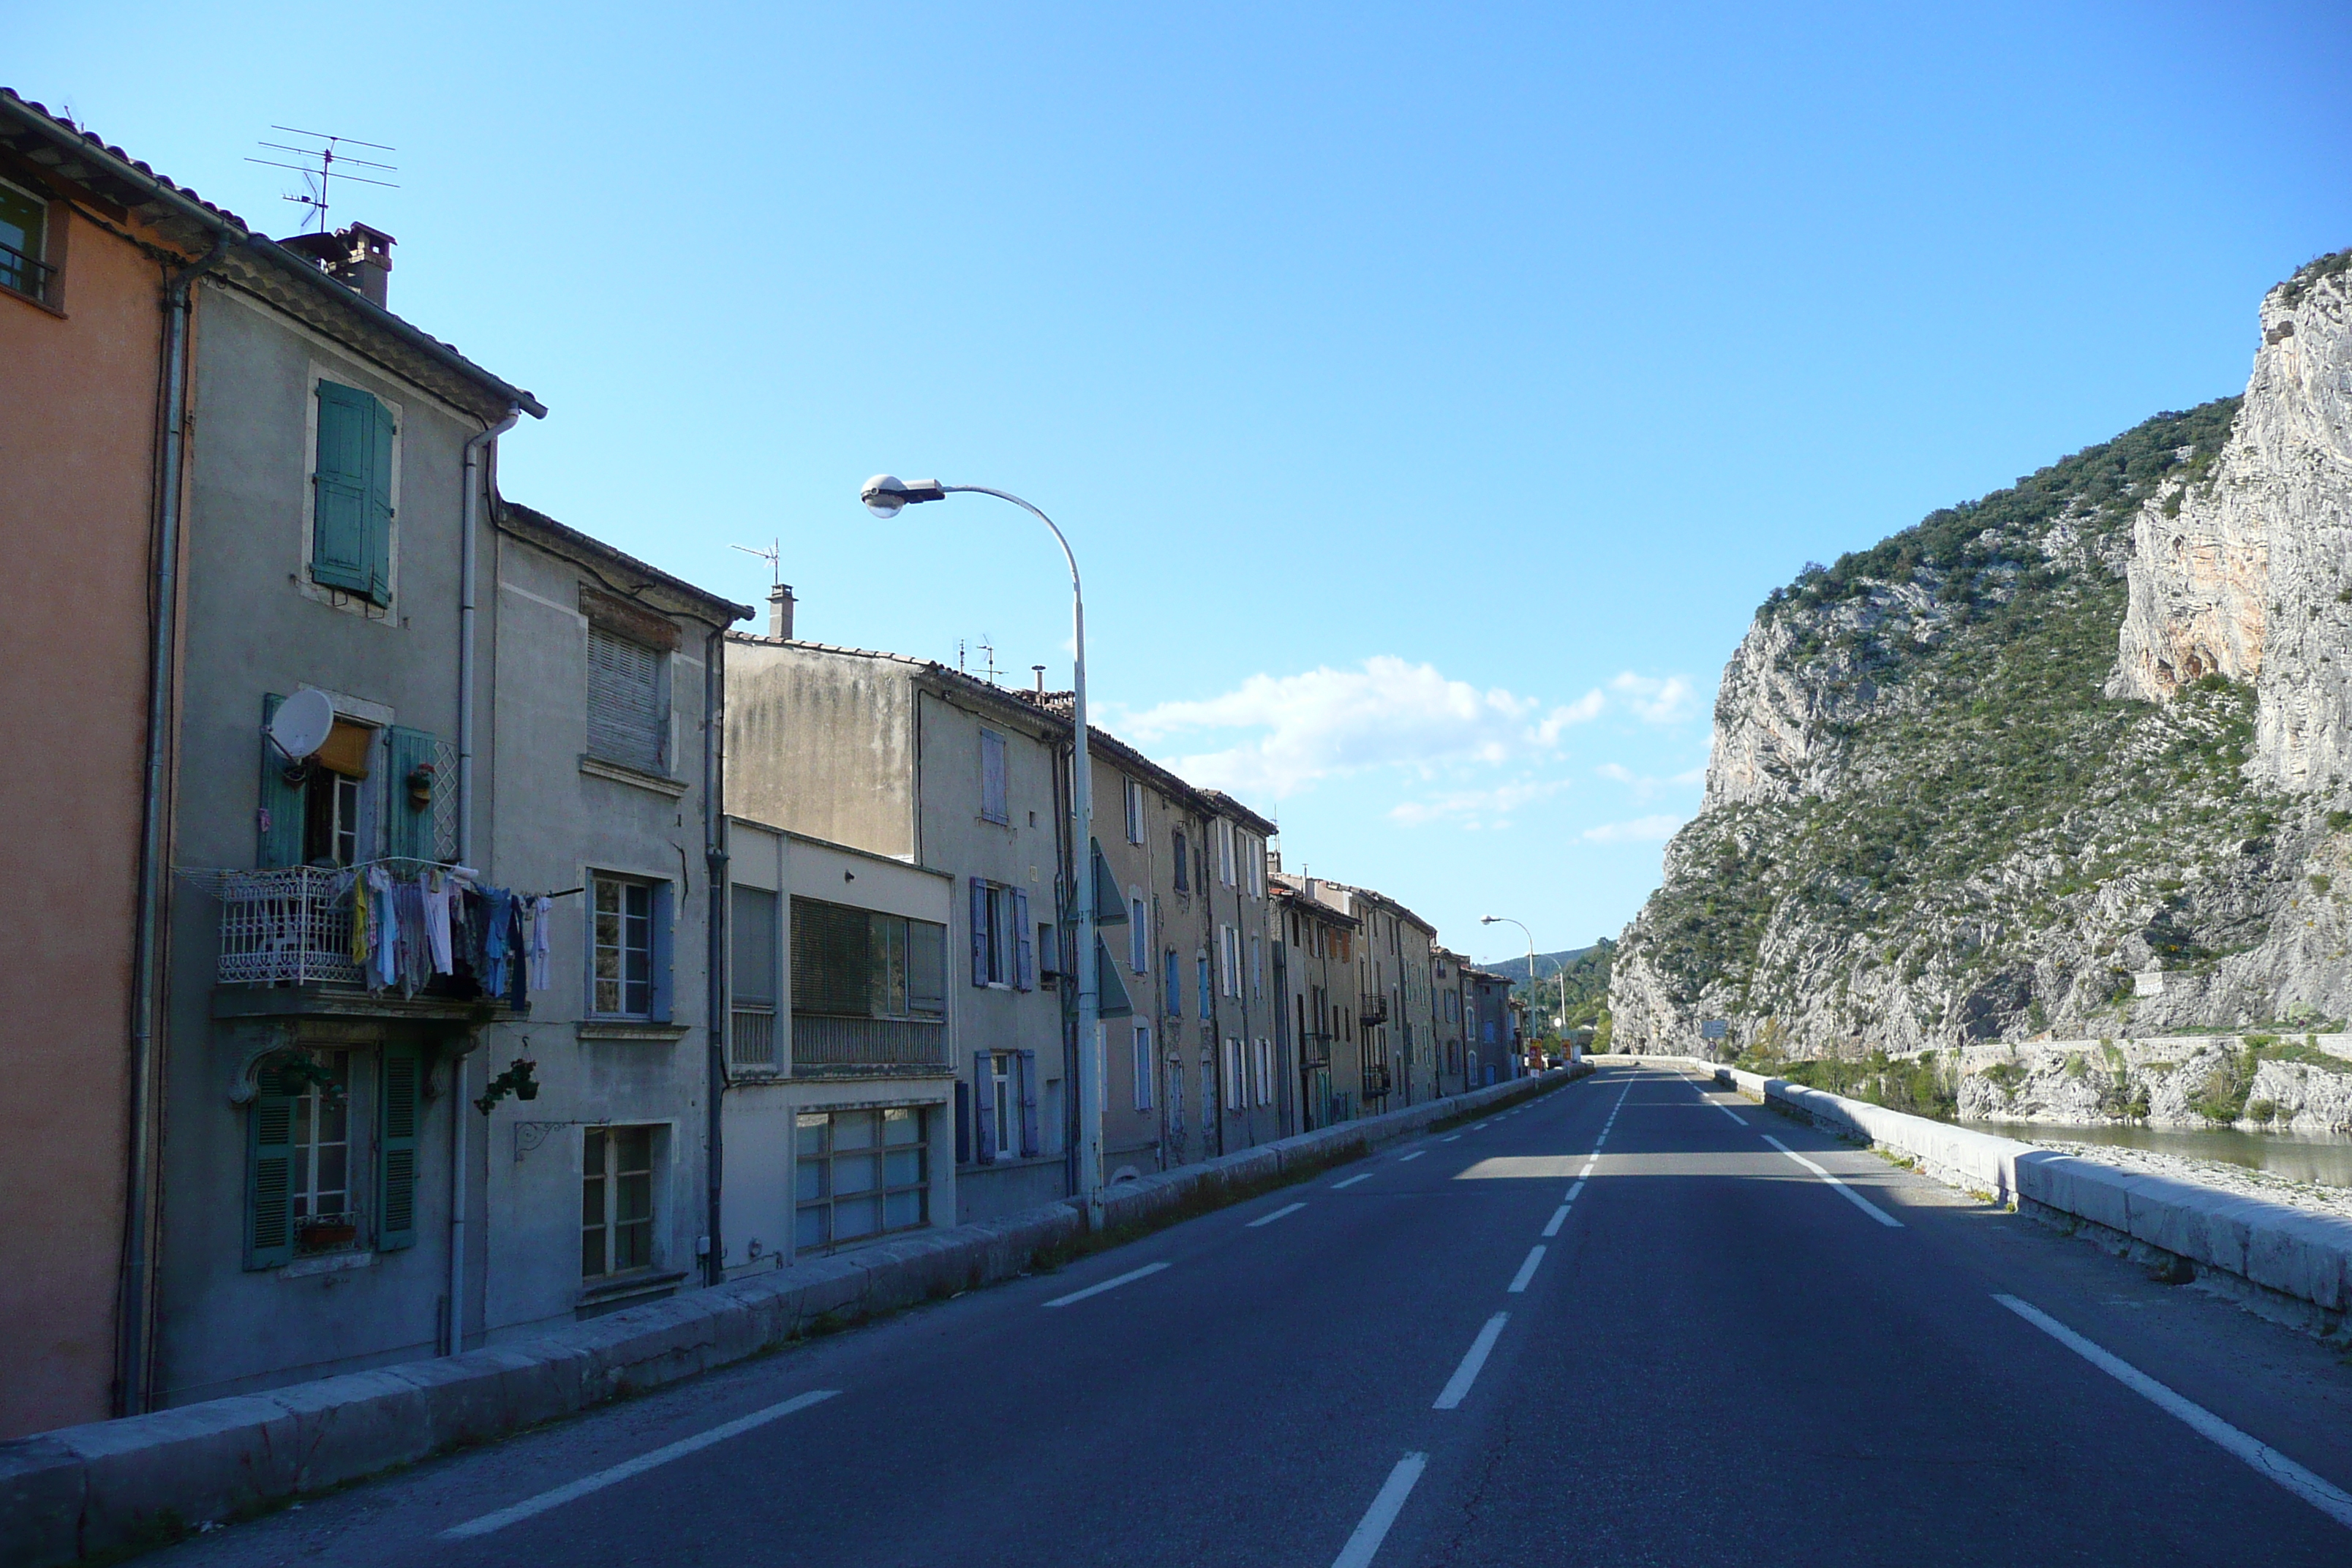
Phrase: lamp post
(1506, 920)
(886, 496)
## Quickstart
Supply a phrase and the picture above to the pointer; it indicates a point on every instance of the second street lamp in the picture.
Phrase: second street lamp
(1506, 920)
(886, 496)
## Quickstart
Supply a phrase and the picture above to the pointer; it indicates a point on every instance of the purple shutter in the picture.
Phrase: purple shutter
(1024, 963)
(1027, 1084)
(983, 1109)
(979, 931)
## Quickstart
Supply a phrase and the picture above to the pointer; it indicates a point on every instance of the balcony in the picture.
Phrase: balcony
(25, 275)
(832, 1046)
(1375, 1010)
(1314, 1050)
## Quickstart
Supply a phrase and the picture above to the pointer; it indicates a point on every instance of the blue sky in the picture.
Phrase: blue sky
(1430, 393)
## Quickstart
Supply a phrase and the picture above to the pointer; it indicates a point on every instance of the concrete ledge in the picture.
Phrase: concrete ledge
(115, 1486)
(2281, 1260)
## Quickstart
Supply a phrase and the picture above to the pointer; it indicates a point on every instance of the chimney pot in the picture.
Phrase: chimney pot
(780, 612)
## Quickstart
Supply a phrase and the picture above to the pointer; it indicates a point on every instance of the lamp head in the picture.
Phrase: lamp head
(1488, 920)
(886, 495)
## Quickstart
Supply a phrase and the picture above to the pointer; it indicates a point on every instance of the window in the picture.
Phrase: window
(1001, 950)
(1453, 1006)
(863, 963)
(1139, 936)
(859, 1173)
(1172, 983)
(992, 805)
(351, 494)
(1143, 1069)
(616, 1201)
(1264, 1072)
(1236, 1087)
(319, 1186)
(1257, 967)
(1005, 1097)
(1180, 859)
(1254, 864)
(1200, 971)
(628, 720)
(24, 242)
(1134, 812)
(1229, 956)
(1225, 852)
(622, 944)
(331, 818)
(751, 937)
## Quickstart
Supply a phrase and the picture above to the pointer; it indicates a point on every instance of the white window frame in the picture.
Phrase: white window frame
(1005, 1097)
(1236, 1087)
(1229, 960)
(1143, 1066)
(1225, 852)
(1139, 932)
(1134, 812)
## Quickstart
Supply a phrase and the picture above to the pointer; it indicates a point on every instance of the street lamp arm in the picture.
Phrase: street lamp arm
(1007, 495)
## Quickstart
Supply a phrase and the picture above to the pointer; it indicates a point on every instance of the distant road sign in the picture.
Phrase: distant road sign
(1713, 1029)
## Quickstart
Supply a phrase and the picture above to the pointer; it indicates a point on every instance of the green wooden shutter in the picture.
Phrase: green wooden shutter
(270, 1174)
(395, 1208)
(278, 821)
(341, 480)
(411, 824)
(376, 525)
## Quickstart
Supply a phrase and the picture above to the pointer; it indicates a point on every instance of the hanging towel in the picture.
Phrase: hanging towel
(416, 961)
(383, 931)
(361, 948)
(518, 955)
(495, 940)
(438, 890)
(543, 910)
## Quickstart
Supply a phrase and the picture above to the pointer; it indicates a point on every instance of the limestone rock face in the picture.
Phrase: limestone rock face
(2075, 757)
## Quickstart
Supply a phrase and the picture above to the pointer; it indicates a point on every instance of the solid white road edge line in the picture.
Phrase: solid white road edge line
(1526, 1270)
(1559, 1218)
(1857, 1199)
(1351, 1181)
(2327, 1498)
(1386, 1505)
(1129, 1278)
(1270, 1219)
(1728, 1111)
(1457, 1387)
(636, 1467)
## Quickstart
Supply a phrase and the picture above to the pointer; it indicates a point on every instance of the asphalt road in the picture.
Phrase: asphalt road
(1483, 1347)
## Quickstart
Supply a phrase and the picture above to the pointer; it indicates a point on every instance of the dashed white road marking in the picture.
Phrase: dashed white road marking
(1526, 1270)
(1386, 1505)
(2327, 1498)
(1575, 1189)
(1351, 1181)
(559, 1495)
(1416, 1154)
(1457, 1387)
(1450, 1138)
(1864, 1203)
(1285, 1209)
(1129, 1278)
(1559, 1218)
(1728, 1111)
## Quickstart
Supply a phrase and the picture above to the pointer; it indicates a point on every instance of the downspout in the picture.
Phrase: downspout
(469, 512)
(715, 963)
(133, 1282)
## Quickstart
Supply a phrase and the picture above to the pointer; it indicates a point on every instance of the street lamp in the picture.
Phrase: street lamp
(1506, 920)
(886, 496)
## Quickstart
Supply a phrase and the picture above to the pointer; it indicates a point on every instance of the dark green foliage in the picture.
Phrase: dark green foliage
(2312, 272)
(1588, 985)
(1917, 1088)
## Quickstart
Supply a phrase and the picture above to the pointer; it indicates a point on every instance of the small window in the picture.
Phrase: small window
(616, 1201)
(1264, 1072)
(1225, 852)
(993, 801)
(1172, 983)
(1143, 1069)
(1180, 859)
(751, 935)
(1208, 999)
(628, 720)
(1236, 1078)
(321, 1188)
(859, 1173)
(1134, 812)
(623, 941)
(1139, 936)
(1229, 954)
(1257, 967)
(863, 963)
(24, 242)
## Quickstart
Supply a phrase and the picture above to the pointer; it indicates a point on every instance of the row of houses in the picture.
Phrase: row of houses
(435, 924)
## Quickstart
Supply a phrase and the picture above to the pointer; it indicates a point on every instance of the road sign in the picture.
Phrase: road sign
(1713, 1029)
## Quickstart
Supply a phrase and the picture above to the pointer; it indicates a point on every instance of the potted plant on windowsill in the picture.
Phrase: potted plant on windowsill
(326, 1233)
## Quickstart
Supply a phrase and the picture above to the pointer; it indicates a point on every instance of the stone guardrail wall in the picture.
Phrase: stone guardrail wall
(2288, 1263)
(113, 1486)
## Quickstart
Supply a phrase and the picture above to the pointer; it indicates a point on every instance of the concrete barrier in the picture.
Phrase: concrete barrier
(2288, 1263)
(112, 1486)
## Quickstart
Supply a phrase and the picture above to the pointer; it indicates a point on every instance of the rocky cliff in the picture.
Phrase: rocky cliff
(2071, 758)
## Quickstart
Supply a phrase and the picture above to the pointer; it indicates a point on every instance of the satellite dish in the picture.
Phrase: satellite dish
(301, 724)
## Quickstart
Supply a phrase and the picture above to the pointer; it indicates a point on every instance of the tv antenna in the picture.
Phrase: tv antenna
(988, 650)
(773, 555)
(325, 157)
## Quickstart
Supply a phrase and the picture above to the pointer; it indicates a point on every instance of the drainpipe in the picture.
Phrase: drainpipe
(714, 839)
(133, 1282)
(469, 512)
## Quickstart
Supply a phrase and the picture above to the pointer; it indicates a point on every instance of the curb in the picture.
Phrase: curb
(112, 1486)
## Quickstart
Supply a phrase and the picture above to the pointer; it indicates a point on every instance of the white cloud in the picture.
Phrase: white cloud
(1330, 722)
(1641, 830)
(1696, 776)
(1475, 807)
(1654, 700)
(1644, 787)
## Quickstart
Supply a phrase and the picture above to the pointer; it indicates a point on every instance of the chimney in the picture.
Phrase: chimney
(356, 256)
(780, 612)
(1041, 679)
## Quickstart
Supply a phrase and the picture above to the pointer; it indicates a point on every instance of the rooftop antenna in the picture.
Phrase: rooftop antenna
(960, 668)
(327, 154)
(989, 648)
(773, 555)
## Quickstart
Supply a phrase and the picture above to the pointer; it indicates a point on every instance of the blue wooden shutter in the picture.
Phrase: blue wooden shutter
(278, 821)
(994, 805)
(343, 478)
(979, 931)
(1024, 965)
(396, 1115)
(411, 824)
(983, 1108)
(376, 536)
(1027, 1083)
(270, 1174)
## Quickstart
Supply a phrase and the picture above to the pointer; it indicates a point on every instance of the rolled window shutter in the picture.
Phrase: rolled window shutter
(979, 931)
(1024, 967)
(396, 1116)
(375, 540)
(1029, 1147)
(411, 823)
(278, 823)
(269, 1175)
(626, 722)
(983, 1109)
(341, 481)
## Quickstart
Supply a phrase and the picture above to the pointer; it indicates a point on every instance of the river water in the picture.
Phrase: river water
(2323, 1159)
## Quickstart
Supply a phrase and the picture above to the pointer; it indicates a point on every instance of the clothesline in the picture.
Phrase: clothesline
(408, 929)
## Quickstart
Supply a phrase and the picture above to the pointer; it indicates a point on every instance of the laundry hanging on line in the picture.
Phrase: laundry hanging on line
(408, 929)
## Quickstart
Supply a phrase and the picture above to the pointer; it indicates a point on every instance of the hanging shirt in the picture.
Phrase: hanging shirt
(543, 920)
(496, 937)
(408, 909)
(383, 931)
(438, 890)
